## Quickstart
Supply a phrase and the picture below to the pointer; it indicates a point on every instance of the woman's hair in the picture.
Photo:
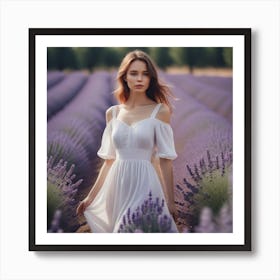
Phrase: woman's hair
(157, 90)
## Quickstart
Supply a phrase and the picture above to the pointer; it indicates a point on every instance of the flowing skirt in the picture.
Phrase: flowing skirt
(128, 186)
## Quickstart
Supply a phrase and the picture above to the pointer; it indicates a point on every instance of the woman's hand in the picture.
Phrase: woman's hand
(83, 205)
(96, 187)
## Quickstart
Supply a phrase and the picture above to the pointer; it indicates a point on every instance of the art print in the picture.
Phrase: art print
(73, 75)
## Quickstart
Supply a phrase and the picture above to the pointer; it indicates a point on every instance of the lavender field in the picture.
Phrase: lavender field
(202, 125)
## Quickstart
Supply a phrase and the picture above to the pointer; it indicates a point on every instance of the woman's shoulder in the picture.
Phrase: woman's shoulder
(109, 112)
(164, 113)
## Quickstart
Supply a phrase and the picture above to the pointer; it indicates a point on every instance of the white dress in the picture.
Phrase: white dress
(132, 176)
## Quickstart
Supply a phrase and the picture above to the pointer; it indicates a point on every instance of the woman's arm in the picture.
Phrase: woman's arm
(166, 167)
(96, 187)
(167, 176)
(100, 178)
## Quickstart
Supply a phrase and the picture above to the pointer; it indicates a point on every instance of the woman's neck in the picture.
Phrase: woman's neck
(138, 101)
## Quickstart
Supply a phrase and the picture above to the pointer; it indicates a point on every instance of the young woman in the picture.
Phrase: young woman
(137, 131)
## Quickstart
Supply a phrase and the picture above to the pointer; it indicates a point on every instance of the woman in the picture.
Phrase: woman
(137, 130)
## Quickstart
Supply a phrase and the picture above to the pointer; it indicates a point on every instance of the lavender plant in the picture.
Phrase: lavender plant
(211, 187)
(61, 194)
(63, 145)
(148, 217)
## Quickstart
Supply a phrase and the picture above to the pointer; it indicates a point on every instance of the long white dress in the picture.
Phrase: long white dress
(132, 176)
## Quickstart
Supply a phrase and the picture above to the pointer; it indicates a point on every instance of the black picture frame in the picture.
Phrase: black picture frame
(35, 33)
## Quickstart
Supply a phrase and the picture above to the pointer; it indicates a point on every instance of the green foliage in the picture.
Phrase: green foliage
(61, 58)
(210, 187)
(161, 56)
(54, 199)
(199, 57)
(88, 57)
(61, 195)
(94, 57)
(227, 56)
(214, 192)
(177, 55)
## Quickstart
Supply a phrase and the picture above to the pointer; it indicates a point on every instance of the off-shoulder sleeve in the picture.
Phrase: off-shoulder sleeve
(107, 149)
(165, 147)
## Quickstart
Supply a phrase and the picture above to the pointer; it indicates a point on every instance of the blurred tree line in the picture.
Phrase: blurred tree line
(60, 58)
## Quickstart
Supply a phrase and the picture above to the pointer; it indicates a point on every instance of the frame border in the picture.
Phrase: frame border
(246, 32)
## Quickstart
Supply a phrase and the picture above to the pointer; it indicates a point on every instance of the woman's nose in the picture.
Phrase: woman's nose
(139, 78)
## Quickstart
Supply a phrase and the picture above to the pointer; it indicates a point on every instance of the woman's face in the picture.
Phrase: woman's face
(137, 77)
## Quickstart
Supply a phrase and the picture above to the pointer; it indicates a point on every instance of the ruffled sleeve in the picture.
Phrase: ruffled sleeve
(165, 147)
(107, 149)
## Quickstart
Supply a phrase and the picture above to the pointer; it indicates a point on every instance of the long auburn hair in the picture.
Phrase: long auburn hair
(157, 91)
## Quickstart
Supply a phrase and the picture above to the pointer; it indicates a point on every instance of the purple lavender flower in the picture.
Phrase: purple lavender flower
(203, 167)
(191, 173)
(150, 218)
(210, 162)
(217, 163)
(223, 163)
(198, 177)
(196, 196)
(62, 193)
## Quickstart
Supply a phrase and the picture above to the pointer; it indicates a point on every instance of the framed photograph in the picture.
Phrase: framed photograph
(170, 175)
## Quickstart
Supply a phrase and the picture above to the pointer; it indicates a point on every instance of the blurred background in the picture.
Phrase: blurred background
(80, 85)
(192, 60)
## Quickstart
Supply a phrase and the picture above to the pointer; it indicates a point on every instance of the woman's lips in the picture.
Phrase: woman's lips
(139, 86)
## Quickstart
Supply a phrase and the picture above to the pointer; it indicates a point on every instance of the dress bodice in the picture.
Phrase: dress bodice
(140, 141)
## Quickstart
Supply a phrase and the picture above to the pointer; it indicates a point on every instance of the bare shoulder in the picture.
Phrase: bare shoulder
(164, 113)
(109, 113)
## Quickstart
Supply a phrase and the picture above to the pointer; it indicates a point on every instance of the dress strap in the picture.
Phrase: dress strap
(155, 111)
(115, 110)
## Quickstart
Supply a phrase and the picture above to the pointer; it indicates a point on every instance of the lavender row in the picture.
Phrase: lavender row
(215, 97)
(223, 83)
(197, 129)
(74, 133)
(54, 77)
(61, 94)
(201, 132)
